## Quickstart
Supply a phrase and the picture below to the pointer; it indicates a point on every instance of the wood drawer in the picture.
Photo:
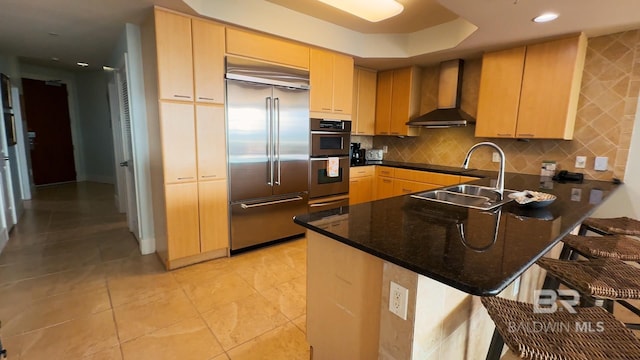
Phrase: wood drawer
(361, 171)
(385, 171)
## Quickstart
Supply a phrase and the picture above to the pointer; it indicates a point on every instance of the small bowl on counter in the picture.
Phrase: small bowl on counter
(532, 199)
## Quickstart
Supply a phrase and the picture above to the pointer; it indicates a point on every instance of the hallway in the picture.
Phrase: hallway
(74, 286)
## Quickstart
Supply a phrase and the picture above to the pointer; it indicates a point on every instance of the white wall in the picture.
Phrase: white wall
(95, 127)
(129, 45)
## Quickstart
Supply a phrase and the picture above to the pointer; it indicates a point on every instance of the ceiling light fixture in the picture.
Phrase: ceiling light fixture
(370, 10)
(546, 17)
(83, 64)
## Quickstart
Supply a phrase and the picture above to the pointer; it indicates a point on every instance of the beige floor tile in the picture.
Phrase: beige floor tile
(285, 342)
(204, 271)
(26, 291)
(74, 339)
(226, 288)
(239, 321)
(301, 323)
(287, 299)
(263, 276)
(129, 288)
(142, 317)
(112, 353)
(20, 318)
(49, 265)
(189, 339)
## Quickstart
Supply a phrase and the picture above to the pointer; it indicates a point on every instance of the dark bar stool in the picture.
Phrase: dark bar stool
(609, 279)
(568, 342)
(609, 226)
(610, 246)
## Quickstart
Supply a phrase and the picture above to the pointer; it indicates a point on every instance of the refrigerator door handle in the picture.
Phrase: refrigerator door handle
(322, 204)
(245, 206)
(269, 109)
(276, 113)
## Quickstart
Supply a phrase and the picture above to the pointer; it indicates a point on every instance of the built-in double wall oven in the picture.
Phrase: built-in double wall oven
(329, 168)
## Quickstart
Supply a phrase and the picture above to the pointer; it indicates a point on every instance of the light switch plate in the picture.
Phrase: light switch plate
(601, 163)
(581, 162)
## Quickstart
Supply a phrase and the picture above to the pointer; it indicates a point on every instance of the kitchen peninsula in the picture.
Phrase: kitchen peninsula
(441, 254)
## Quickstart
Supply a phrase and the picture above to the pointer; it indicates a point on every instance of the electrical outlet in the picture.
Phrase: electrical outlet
(495, 157)
(385, 149)
(398, 299)
(581, 162)
(601, 163)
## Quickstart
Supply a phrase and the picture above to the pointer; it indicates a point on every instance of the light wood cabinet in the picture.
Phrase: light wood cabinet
(190, 55)
(208, 61)
(363, 115)
(186, 136)
(265, 47)
(344, 287)
(361, 184)
(182, 220)
(331, 80)
(174, 52)
(177, 130)
(532, 91)
(397, 181)
(397, 101)
(213, 215)
(211, 142)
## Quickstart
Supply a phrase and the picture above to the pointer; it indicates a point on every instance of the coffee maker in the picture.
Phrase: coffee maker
(357, 154)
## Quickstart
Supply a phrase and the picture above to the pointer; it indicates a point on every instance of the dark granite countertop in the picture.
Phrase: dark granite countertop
(459, 246)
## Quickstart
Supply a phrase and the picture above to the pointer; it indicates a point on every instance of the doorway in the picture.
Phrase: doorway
(49, 131)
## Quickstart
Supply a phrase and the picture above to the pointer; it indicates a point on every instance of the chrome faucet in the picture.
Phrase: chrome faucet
(500, 181)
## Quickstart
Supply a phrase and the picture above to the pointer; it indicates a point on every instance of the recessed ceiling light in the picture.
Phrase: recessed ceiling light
(546, 17)
(55, 59)
(370, 10)
(53, 33)
(107, 68)
(83, 64)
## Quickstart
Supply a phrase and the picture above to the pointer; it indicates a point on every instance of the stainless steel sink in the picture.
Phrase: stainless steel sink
(471, 196)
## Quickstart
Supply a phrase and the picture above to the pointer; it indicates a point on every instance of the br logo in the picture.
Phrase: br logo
(546, 301)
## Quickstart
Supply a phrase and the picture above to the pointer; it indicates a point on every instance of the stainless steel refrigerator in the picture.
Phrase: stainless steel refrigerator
(268, 142)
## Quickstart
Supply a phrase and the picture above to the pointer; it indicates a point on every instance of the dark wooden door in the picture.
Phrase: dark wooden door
(47, 115)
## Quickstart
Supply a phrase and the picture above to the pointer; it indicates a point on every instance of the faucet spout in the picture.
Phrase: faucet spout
(500, 181)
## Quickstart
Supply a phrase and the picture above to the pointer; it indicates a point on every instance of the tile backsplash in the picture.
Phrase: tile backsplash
(604, 122)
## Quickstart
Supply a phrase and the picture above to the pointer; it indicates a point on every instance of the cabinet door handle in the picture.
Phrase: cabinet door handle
(340, 110)
(526, 135)
(386, 181)
(395, 133)
(406, 190)
(208, 176)
(503, 134)
(205, 98)
(185, 178)
(326, 109)
(182, 96)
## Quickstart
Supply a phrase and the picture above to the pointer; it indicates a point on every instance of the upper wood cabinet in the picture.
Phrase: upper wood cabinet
(175, 59)
(532, 91)
(189, 51)
(331, 79)
(363, 115)
(397, 101)
(208, 61)
(269, 48)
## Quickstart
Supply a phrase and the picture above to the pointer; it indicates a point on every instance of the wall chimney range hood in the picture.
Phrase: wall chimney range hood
(448, 113)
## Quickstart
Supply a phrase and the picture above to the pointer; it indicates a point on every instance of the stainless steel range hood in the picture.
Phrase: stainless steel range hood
(448, 113)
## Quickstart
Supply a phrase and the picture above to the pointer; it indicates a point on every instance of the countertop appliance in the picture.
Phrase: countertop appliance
(268, 145)
(357, 154)
(374, 155)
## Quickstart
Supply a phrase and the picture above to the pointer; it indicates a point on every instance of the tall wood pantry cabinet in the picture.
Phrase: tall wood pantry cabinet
(184, 81)
(363, 115)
